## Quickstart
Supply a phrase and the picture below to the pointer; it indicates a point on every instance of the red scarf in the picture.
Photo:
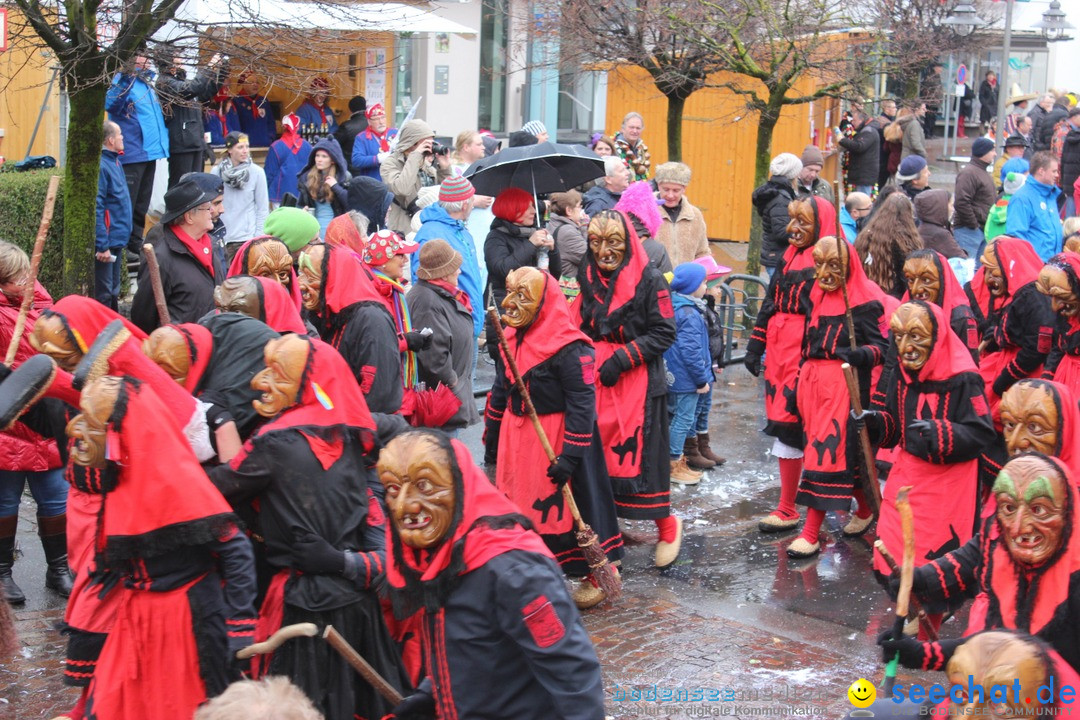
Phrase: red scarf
(202, 248)
(278, 310)
(319, 109)
(455, 292)
(551, 330)
(291, 138)
(384, 144)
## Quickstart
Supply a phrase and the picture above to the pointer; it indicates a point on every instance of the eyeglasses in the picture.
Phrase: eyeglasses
(204, 208)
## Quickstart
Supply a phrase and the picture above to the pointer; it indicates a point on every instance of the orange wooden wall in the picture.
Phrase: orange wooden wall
(720, 141)
(24, 76)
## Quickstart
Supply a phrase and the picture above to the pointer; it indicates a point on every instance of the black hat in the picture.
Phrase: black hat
(235, 137)
(185, 195)
(1015, 141)
(209, 182)
(357, 104)
(520, 138)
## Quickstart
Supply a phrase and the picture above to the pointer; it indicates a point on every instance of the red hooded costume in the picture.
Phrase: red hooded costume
(239, 266)
(1063, 364)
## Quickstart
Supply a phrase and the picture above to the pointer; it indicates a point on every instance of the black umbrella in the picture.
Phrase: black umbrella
(539, 169)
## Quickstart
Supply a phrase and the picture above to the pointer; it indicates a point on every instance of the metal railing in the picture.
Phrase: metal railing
(742, 296)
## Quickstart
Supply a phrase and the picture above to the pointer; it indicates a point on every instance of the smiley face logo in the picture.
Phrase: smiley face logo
(862, 693)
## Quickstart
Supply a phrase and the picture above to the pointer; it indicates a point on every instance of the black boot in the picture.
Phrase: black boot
(53, 533)
(12, 591)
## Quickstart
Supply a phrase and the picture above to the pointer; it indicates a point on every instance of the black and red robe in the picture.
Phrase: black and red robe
(830, 452)
(353, 318)
(557, 364)
(1020, 324)
(310, 470)
(629, 317)
(940, 465)
(1063, 363)
(500, 635)
(780, 326)
(183, 573)
(1042, 601)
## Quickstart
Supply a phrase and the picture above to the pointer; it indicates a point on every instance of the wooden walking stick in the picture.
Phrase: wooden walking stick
(361, 666)
(35, 265)
(870, 487)
(907, 573)
(155, 284)
(924, 619)
(602, 571)
(275, 641)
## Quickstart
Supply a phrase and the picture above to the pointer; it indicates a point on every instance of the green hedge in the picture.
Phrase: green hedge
(23, 196)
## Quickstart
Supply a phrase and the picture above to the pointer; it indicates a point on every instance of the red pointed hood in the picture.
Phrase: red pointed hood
(948, 354)
(239, 266)
(345, 282)
(607, 293)
(551, 330)
(278, 309)
(860, 289)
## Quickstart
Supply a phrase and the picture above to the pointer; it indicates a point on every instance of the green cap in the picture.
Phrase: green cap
(292, 226)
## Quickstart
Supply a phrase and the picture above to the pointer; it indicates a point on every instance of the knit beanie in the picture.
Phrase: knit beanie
(981, 146)
(437, 260)
(673, 172)
(534, 128)
(687, 278)
(786, 165)
(292, 226)
(910, 167)
(812, 156)
(456, 189)
(1013, 182)
(1016, 165)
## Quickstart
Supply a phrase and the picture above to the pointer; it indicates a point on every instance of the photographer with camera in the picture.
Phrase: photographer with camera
(416, 162)
(182, 99)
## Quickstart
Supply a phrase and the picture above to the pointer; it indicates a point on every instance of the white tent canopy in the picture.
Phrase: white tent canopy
(375, 17)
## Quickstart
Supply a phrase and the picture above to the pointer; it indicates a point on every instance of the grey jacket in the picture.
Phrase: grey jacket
(448, 360)
(570, 241)
(404, 175)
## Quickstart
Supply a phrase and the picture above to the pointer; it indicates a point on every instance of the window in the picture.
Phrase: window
(494, 33)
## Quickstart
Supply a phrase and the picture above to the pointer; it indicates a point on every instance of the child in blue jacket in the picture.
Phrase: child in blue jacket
(689, 365)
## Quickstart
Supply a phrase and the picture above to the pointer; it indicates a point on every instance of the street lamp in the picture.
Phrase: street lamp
(1053, 23)
(964, 20)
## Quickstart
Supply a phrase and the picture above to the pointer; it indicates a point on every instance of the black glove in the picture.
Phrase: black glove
(859, 357)
(313, 554)
(610, 371)
(752, 361)
(918, 585)
(872, 420)
(4, 372)
(561, 470)
(492, 428)
(418, 340)
(913, 653)
(418, 706)
(920, 434)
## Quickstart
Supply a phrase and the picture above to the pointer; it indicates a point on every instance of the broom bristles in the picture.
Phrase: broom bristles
(9, 641)
(602, 571)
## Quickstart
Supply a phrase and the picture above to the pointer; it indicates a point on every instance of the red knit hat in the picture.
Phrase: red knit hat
(376, 108)
(385, 244)
(456, 189)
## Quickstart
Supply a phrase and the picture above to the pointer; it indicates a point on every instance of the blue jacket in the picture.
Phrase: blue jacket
(133, 104)
(282, 167)
(1033, 216)
(212, 124)
(309, 115)
(260, 130)
(689, 362)
(113, 204)
(365, 152)
(848, 224)
(437, 223)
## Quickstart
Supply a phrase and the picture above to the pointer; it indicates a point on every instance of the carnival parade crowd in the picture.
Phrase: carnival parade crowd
(267, 450)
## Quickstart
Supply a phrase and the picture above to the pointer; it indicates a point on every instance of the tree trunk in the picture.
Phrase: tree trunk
(675, 105)
(763, 156)
(87, 112)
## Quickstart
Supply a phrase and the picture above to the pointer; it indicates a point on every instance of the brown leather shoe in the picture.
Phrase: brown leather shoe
(706, 452)
(682, 474)
(694, 458)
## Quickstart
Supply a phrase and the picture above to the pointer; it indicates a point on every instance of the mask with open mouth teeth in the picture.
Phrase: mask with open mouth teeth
(270, 258)
(913, 330)
(1030, 418)
(1031, 496)
(420, 496)
(279, 382)
(801, 231)
(524, 292)
(607, 240)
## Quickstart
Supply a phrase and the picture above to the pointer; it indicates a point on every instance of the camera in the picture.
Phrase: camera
(438, 148)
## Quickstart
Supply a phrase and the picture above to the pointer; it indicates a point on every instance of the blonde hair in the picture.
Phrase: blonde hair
(463, 138)
(13, 261)
(272, 698)
(1070, 226)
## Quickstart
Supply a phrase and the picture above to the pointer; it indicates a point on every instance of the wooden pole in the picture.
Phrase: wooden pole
(870, 488)
(361, 666)
(924, 619)
(35, 266)
(907, 574)
(155, 284)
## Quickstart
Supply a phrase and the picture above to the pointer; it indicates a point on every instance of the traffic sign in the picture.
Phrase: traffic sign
(961, 74)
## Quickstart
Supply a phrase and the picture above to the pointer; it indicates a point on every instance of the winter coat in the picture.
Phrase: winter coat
(997, 218)
(819, 188)
(988, 101)
(914, 142)
(848, 225)
(339, 193)
(133, 104)
(771, 201)
(974, 195)
(688, 360)
(685, 238)
(437, 223)
(220, 124)
(188, 287)
(598, 198)
(716, 331)
(864, 153)
(507, 248)
(448, 360)
(309, 114)
(570, 241)
(1070, 158)
(348, 130)
(113, 205)
(365, 153)
(404, 175)
(246, 207)
(282, 168)
(1044, 132)
(932, 207)
(20, 447)
(657, 255)
(260, 128)
(1033, 216)
(181, 104)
